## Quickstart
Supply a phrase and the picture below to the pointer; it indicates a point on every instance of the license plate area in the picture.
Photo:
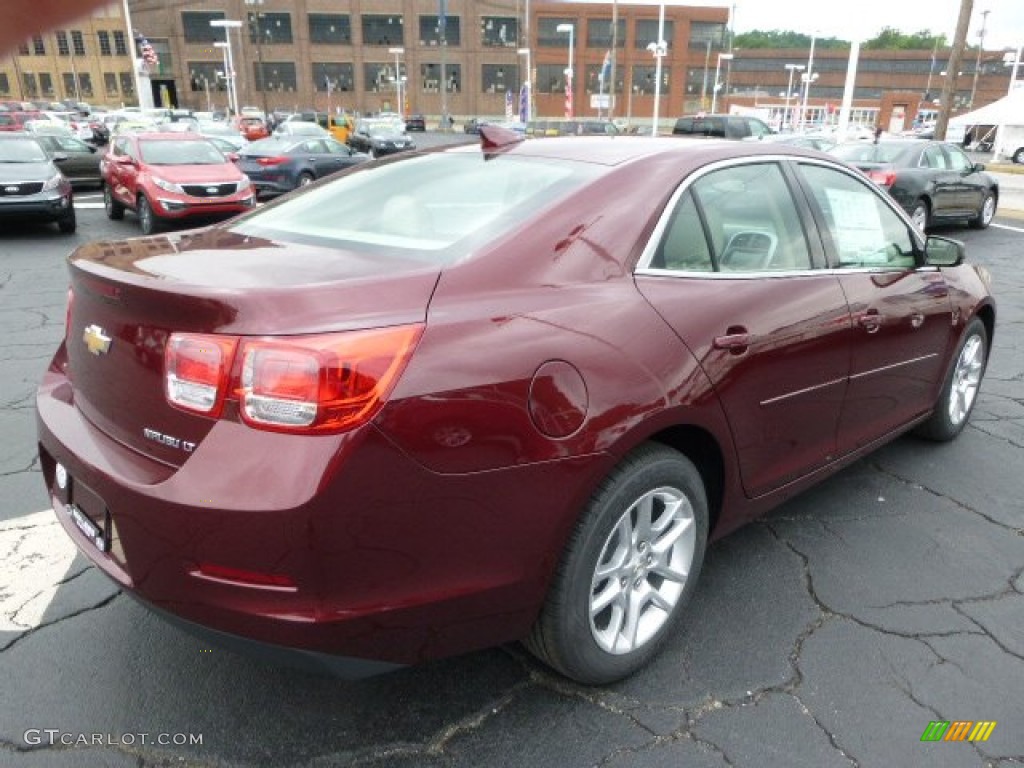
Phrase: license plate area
(84, 508)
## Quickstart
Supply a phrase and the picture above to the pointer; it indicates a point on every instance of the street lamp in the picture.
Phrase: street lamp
(1013, 60)
(807, 78)
(789, 92)
(527, 84)
(256, 30)
(228, 25)
(715, 88)
(658, 50)
(571, 29)
(397, 53)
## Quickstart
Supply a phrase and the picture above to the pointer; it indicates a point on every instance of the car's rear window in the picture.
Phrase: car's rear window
(867, 152)
(437, 206)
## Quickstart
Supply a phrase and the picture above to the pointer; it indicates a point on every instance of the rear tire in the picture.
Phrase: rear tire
(960, 390)
(115, 211)
(1018, 156)
(920, 215)
(628, 569)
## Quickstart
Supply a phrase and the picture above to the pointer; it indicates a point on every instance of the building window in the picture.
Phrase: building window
(63, 48)
(643, 79)
(279, 76)
(120, 47)
(85, 85)
(46, 84)
(110, 83)
(38, 46)
(430, 75)
(104, 39)
(197, 26)
(23, 49)
(550, 78)
(593, 79)
(330, 29)
(271, 28)
(704, 32)
(28, 81)
(499, 31)
(69, 85)
(5, 85)
(341, 77)
(499, 78)
(548, 35)
(430, 31)
(599, 33)
(127, 84)
(647, 33)
(78, 42)
(383, 30)
(202, 74)
(378, 78)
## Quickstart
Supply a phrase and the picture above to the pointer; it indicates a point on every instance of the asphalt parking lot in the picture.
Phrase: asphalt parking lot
(830, 633)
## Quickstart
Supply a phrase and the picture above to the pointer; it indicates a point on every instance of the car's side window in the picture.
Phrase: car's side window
(958, 161)
(684, 245)
(864, 230)
(752, 219)
(933, 158)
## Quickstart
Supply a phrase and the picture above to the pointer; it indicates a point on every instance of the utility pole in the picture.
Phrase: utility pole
(956, 56)
(615, 51)
(977, 62)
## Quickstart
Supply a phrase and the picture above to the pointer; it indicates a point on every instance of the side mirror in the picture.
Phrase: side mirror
(979, 167)
(943, 252)
(124, 160)
(233, 157)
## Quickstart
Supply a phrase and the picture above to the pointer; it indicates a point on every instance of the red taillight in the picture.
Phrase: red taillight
(883, 178)
(196, 370)
(325, 383)
(271, 160)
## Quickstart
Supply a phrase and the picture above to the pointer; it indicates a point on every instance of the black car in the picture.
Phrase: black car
(79, 161)
(277, 165)
(933, 181)
(380, 137)
(31, 186)
(416, 123)
(721, 126)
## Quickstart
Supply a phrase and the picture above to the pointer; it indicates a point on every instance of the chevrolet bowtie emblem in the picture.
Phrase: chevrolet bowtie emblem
(97, 342)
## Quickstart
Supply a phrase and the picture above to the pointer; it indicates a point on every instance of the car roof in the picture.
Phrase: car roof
(616, 150)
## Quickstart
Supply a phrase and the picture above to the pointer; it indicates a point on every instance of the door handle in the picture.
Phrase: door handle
(870, 320)
(736, 339)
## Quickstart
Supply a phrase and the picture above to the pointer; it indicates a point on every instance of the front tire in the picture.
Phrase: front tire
(960, 390)
(305, 179)
(1018, 156)
(68, 224)
(147, 219)
(628, 570)
(986, 213)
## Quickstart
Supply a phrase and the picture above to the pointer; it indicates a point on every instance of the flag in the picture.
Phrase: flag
(510, 106)
(606, 66)
(149, 57)
(524, 103)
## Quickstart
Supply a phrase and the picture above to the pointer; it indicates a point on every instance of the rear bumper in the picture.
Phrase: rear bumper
(382, 560)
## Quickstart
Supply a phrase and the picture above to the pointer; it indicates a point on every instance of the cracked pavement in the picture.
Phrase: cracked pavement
(827, 634)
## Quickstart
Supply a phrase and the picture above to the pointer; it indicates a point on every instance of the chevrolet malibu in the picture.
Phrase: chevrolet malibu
(493, 393)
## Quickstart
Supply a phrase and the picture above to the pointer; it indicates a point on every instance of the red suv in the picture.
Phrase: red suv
(172, 177)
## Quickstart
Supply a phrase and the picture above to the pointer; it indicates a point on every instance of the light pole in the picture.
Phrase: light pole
(1015, 63)
(527, 83)
(398, 53)
(658, 49)
(571, 29)
(227, 76)
(256, 30)
(789, 92)
(704, 86)
(228, 25)
(807, 78)
(715, 88)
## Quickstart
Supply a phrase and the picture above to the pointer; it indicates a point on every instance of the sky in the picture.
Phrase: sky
(846, 18)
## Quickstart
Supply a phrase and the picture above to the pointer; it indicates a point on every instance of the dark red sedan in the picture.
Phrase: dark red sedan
(493, 393)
